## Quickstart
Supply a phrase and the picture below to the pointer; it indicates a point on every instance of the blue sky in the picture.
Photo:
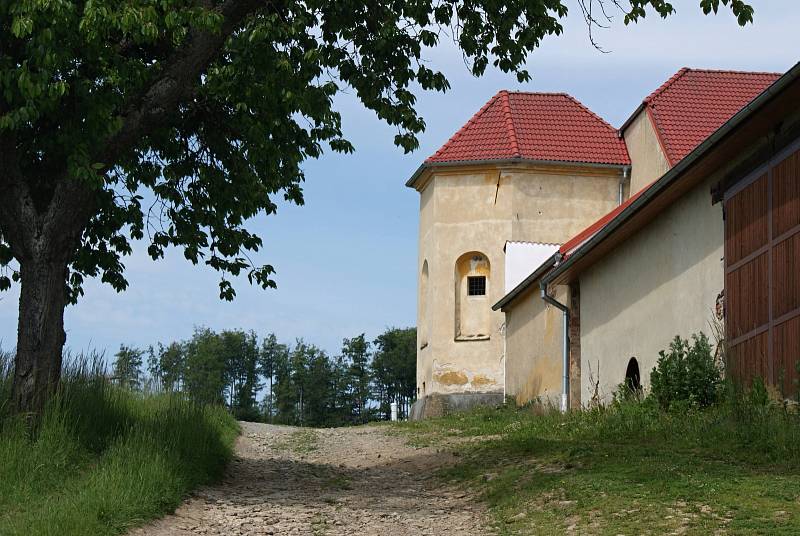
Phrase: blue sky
(346, 260)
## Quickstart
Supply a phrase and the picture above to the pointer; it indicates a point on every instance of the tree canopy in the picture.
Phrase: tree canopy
(274, 382)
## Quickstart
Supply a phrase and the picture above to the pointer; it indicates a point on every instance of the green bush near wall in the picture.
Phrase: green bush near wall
(686, 373)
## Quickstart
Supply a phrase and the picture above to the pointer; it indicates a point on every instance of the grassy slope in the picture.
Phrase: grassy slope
(630, 469)
(107, 459)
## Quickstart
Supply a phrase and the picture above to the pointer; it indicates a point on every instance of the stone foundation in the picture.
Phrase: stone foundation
(437, 405)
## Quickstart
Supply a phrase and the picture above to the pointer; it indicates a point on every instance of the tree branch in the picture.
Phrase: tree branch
(178, 81)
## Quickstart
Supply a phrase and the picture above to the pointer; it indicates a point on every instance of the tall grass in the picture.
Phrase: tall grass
(104, 458)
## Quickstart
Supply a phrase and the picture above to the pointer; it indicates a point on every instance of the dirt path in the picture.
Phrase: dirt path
(343, 481)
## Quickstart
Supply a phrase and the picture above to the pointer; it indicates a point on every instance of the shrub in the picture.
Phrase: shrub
(686, 373)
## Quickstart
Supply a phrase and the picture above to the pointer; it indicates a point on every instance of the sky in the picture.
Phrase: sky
(346, 260)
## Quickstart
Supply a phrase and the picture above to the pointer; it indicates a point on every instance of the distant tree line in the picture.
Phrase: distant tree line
(270, 381)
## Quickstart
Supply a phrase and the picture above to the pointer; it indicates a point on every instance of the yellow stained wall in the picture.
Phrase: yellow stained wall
(648, 161)
(476, 209)
(533, 347)
(663, 281)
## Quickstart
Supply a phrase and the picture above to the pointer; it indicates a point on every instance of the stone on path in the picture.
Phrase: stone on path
(337, 481)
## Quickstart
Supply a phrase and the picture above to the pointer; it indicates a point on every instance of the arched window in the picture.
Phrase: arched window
(472, 306)
(423, 306)
(632, 378)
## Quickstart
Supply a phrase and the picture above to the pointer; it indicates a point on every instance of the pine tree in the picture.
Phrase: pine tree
(271, 353)
(318, 389)
(394, 369)
(356, 351)
(286, 394)
(245, 407)
(128, 367)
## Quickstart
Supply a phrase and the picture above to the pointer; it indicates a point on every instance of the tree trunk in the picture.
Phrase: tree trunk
(40, 336)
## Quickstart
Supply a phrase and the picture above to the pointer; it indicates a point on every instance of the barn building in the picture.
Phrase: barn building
(558, 255)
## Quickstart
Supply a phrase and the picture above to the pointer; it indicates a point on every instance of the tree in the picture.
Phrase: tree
(394, 368)
(286, 393)
(317, 389)
(240, 355)
(272, 352)
(165, 366)
(128, 367)
(205, 368)
(356, 352)
(177, 121)
(171, 366)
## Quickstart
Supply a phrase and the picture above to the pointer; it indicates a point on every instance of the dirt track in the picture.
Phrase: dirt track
(342, 481)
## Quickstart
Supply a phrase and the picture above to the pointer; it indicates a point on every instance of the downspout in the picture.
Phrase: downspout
(505, 348)
(621, 196)
(565, 350)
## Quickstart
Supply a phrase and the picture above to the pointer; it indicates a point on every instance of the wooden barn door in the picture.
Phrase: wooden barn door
(762, 274)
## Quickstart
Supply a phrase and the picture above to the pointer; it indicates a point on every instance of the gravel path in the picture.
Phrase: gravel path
(341, 481)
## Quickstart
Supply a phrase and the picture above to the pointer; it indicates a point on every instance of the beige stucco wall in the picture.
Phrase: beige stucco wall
(648, 161)
(476, 210)
(551, 209)
(663, 281)
(458, 215)
(533, 346)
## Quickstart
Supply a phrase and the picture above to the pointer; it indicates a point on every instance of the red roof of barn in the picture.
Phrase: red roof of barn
(692, 104)
(686, 109)
(534, 126)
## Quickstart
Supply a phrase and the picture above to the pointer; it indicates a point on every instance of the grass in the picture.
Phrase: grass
(105, 459)
(628, 469)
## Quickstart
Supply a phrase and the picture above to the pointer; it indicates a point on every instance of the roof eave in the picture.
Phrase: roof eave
(412, 182)
(675, 173)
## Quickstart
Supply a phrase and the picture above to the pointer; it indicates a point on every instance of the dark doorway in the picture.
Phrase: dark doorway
(632, 377)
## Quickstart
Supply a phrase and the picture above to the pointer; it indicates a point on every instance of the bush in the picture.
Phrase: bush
(686, 374)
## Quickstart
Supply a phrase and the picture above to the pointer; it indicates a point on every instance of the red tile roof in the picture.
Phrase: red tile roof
(686, 109)
(692, 104)
(534, 126)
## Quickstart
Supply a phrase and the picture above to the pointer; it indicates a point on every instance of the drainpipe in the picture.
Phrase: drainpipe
(505, 348)
(565, 350)
(620, 197)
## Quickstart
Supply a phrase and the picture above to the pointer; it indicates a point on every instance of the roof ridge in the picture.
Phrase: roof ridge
(466, 126)
(732, 71)
(684, 70)
(509, 120)
(523, 92)
(663, 87)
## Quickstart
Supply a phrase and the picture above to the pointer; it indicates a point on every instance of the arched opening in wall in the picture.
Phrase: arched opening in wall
(632, 378)
(472, 307)
(423, 306)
